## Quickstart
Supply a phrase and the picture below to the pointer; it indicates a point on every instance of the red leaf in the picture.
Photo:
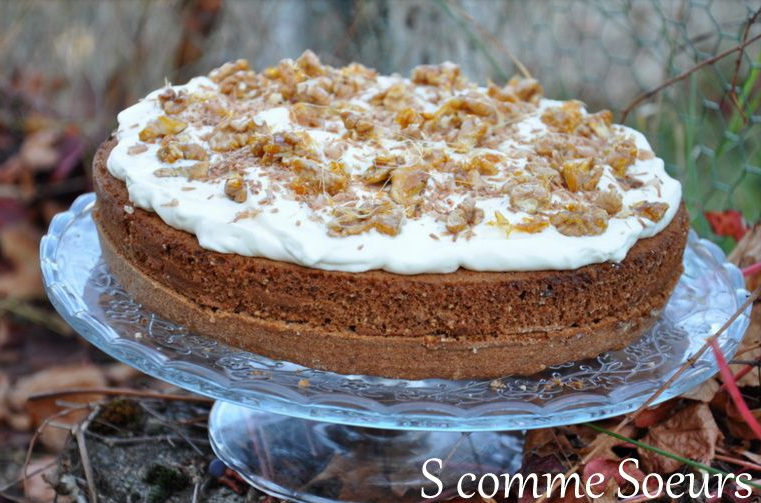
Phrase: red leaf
(727, 223)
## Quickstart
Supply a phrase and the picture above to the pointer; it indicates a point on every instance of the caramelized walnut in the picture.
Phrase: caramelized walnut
(233, 134)
(580, 221)
(173, 151)
(517, 89)
(173, 102)
(198, 171)
(529, 197)
(224, 71)
(407, 184)
(621, 155)
(652, 211)
(565, 118)
(465, 215)
(382, 167)
(160, 127)
(235, 187)
(380, 214)
(581, 174)
(610, 201)
(356, 125)
(315, 178)
(310, 64)
(445, 75)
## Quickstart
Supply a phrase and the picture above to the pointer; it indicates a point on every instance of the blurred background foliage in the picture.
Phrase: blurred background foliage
(69, 67)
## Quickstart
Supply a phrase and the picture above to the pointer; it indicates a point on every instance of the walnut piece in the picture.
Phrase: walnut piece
(581, 174)
(407, 184)
(465, 215)
(380, 214)
(610, 201)
(652, 211)
(160, 127)
(529, 197)
(235, 187)
(581, 221)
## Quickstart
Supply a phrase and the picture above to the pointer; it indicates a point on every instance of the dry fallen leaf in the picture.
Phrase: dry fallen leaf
(748, 252)
(52, 379)
(691, 433)
(703, 392)
(750, 349)
(35, 486)
(19, 245)
(736, 424)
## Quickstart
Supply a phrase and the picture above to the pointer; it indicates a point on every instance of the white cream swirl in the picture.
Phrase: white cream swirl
(284, 230)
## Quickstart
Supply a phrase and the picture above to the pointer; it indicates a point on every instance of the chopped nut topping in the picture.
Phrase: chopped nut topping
(173, 151)
(652, 211)
(162, 126)
(235, 188)
(590, 221)
(173, 102)
(363, 152)
(529, 197)
(314, 178)
(464, 216)
(381, 215)
(622, 155)
(581, 174)
(407, 184)
(358, 126)
(610, 201)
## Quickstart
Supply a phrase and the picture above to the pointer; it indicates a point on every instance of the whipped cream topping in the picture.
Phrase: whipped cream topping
(272, 223)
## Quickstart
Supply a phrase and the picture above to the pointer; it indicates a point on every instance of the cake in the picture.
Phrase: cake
(381, 225)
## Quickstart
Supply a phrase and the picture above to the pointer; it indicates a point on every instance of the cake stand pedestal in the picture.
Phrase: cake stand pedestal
(315, 436)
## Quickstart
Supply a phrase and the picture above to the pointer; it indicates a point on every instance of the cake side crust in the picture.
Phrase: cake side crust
(461, 325)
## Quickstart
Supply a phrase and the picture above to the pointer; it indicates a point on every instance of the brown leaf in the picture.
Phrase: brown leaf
(736, 424)
(703, 392)
(51, 379)
(752, 339)
(691, 433)
(19, 245)
(649, 417)
(545, 442)
(748, 252)
(35, 486)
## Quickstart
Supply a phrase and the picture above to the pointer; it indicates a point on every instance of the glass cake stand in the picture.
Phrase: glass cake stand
(315, 436)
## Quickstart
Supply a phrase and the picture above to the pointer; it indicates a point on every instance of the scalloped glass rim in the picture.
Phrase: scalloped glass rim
(87, 297)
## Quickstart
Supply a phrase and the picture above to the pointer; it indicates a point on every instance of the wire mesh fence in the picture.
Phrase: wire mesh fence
(83, 62)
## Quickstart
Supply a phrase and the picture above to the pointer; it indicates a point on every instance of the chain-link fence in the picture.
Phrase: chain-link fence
(90, 59)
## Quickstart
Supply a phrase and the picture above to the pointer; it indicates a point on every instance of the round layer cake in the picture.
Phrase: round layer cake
(402, 227)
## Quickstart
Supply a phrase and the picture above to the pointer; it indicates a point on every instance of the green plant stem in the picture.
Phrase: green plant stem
(671, 455)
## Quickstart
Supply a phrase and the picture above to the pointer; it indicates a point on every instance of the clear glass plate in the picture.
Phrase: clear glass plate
(87, 296)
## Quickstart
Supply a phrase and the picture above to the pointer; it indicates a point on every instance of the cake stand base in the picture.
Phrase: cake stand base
(316, 462)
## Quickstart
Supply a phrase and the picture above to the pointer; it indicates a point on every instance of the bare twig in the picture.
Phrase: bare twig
(78, 433)
(45, 423)
(738, 64)
(491, 38)
(649, 94)
(628, 418)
